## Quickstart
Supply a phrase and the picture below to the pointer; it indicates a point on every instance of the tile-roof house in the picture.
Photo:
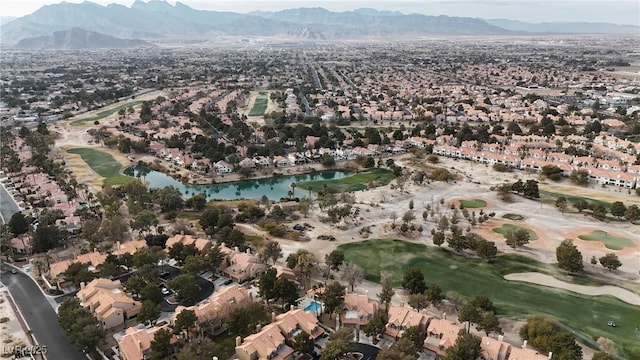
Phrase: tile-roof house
(296, 320)
(358, 309)
(243, 266)
(268, 344)
(216, 308)
(517, 353)
(494, 349)
(441, 334)
(201, 244)
(136, 342)
(401, 318)
(108, 302)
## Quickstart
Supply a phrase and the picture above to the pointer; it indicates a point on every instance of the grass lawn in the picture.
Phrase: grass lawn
(471, 277)
(103, 164)
(511, 216)
(475, 203)
(355, 182)
(502, 230)
(573, 199)
(609, 241)
(260, 105)
(103, 114)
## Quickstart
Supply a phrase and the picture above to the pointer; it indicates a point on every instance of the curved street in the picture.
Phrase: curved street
(41, 319)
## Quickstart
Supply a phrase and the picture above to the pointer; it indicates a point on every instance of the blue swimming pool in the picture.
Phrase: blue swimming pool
(315, 307)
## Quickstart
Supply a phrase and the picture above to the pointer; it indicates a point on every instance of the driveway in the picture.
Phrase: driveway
(40, 317)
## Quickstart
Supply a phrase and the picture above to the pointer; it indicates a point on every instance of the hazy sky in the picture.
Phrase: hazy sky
(614, 11)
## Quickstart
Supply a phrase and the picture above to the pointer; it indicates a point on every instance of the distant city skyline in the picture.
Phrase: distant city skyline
(614, 11)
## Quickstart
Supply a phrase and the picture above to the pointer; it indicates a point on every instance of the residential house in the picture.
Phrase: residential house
(267, 344)
(494, 349)
(129, 247)
(517, 353)
(283, 271)
(604, 177)
(359, 309)
(243, 266)
(294, 321)
(136, 342)
(223, 167)
(401, 318)
(441, 334)
(212, 311)
(281, 161)
(108, 302)
(92, 259)
(201, 244)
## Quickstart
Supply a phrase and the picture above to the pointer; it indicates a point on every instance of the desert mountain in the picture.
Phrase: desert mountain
(77, 38)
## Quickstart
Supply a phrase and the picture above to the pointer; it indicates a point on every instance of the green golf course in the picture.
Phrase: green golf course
(103, 164)
(355, 182)
(472, 277)
(609, 241)
(471, 204)
(505, 228)
(103, 114)
(260, 105)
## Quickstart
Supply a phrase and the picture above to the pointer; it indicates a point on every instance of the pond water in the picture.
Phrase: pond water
(274, 187)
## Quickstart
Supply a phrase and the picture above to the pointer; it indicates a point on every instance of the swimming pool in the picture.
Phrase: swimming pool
(315, 307)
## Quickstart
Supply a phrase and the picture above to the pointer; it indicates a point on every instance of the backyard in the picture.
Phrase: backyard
(505, 228)
(472, 277)
(103, 164)
(103, 114)
(609, 241)
(260, 105)
(356, 182)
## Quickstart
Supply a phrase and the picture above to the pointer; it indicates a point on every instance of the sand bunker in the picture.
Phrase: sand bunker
(546, 280)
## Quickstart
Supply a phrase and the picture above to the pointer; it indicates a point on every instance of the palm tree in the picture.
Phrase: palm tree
(293, 189)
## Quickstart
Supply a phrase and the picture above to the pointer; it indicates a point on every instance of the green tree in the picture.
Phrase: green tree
(333, 297)
(185, 321)
(150, 292)
(569, 257)
(242, 321)
(47, 237)
(517, 237)
(334, 349)
(530, 189)
(415, 335)
(144, 220)
(486, 250)
(581, 204)
(618, 209)
(135, 284)
(561, 204)
(418, 301)
(610, 261)
(170, 199)
(376, 326)
(467, 347)
(196, 202)
(286, 291)
(547, 335)
(161, 345)
(303, 343)
(327, 160)
(270, 250)
(579, 177)
(267, 285)
(438, 238)
(334, 259)
(82, 328)
(413, 281)
(599, 211)
(187, 288)
(600, 355)
(387, 291)
(489, 323)
(632, 213)
(434, 294)
(19, 224)
(213, 258)
(150, 312)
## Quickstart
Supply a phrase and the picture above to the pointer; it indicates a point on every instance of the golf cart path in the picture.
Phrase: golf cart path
(546, 280)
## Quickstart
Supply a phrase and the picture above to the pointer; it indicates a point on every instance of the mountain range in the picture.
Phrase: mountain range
(77, 38)
(157, 19)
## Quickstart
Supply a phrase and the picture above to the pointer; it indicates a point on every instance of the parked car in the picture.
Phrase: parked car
(298, 227)
(227, 282)
(165, 275)
(611, 323)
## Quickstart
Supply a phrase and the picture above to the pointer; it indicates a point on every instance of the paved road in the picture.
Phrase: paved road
(8, 207)
(40, 317)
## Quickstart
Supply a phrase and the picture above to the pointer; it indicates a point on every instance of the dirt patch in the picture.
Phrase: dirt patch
(546, 280)
(608, 194)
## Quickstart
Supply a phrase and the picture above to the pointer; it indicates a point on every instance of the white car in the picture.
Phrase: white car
(165, 291)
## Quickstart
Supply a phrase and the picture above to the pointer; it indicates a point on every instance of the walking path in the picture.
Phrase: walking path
(546, 280)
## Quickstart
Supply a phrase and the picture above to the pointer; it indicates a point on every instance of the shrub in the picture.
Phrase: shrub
(501, 168)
